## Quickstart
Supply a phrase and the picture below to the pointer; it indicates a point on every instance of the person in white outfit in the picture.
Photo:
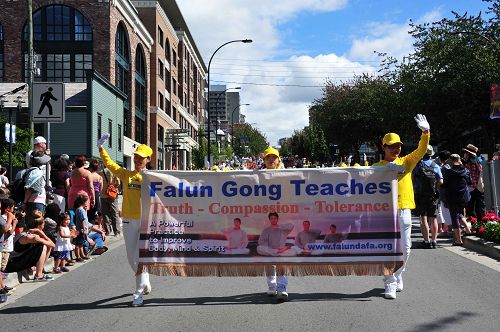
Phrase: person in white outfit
(131, 211)
(272, 242)
(237, 238)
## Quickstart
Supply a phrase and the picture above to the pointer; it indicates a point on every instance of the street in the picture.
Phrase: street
(445, 290)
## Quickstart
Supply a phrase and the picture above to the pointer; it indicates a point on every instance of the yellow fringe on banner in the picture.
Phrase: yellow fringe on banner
(255, 270)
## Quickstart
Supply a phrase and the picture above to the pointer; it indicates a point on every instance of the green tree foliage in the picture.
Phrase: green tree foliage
(309, 143)
(201, 152)
(447, 78)
(248, 141)
(23, 145)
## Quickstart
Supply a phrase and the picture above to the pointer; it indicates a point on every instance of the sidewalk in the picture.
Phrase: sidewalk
(12, 279)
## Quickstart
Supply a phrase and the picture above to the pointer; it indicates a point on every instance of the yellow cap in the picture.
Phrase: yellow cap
(271, 150)
(215, 168)
(390, 139)
(144, 151)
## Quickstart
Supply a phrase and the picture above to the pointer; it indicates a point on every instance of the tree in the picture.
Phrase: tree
(19, 150)
(201, 152)
(248, 141)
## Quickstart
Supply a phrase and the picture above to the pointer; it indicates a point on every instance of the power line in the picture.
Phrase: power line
(291, 61)
(281, 76)
(226, 64)
(269, 84)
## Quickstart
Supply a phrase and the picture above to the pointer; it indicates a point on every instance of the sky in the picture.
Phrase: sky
(300, 44)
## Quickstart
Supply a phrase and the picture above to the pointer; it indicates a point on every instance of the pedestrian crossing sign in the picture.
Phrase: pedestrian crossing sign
(48, 102)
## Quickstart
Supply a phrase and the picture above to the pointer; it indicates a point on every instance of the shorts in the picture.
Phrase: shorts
(63, 255)
(4, 259)
(426, 207)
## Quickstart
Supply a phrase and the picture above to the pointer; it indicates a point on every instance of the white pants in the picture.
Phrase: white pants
(131, 229)
(443, 214)
(404, 218)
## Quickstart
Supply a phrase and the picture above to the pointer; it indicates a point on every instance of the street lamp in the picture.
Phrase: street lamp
(232, 123)
(217, 109)
(208, 85)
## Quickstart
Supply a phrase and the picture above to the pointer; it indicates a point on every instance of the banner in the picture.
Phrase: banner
(329, 221)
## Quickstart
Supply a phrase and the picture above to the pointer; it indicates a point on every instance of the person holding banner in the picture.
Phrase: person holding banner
(277, 285)
(237, 238)
(391, 145)
(131, 210)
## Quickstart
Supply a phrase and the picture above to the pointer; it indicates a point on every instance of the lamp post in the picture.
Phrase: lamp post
(232, 123)
(208, 85)
(217, 109)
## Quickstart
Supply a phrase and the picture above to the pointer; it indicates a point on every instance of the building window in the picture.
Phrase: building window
(1, 53)
(160, 100)
(99, 126)
(167, 107)
(174, 58)
(168, 79)
(140, 96)
(167, 51)
(174, 114)
(174, 86)
(110, 131)
(119, 137)
(63, 43)
(161, 139)
(160, 36)
(122, 73)
(160, 69)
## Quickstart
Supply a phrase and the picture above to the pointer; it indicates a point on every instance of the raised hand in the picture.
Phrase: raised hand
(422, 122)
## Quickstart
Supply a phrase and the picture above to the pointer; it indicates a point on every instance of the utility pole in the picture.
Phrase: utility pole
(30, 67)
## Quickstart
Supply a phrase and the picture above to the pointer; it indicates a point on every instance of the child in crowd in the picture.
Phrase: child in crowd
(82, 224)
(8, 229)
(63, 243)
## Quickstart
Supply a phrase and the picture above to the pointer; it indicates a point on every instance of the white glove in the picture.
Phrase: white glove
(102, 140)
(422, 122)
(394, 167)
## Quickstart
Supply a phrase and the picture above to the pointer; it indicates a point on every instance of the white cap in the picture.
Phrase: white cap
(39, 139)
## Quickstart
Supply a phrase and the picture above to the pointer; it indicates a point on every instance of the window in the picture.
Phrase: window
(140, 96)
(160, 100)
(167, 107)
(63, 43)
(160, 69)
(161, 135)
(174, 58)
(110, 131)
(122, 62)
(174, 114)
(174, 86)
(119, 137)
(167, 51)
(1, 52)
(160, 36)
(168, 79)
(99, 126)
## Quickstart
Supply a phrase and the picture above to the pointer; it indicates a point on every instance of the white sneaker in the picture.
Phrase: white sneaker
(282, 294)
(271, 291)
(147, 289)
(390, 291)
(399, 286)
(137, 302)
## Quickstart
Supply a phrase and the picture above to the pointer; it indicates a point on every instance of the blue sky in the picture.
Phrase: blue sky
(299, 44)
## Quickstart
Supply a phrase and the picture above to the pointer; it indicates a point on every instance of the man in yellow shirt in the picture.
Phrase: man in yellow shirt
(131, 210)
(391, 145)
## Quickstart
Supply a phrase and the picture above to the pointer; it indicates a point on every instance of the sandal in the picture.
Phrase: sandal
(456, 244)
(56, 271)
(64, 269)
(44, 277)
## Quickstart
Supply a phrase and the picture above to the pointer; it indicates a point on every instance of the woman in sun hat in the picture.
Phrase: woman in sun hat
(476, 206)
(131, 210)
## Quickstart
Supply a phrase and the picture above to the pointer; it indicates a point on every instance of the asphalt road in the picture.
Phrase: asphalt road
(445, 290)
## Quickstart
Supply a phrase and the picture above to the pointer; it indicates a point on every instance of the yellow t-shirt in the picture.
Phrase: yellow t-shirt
(406, 199)
(132, 181)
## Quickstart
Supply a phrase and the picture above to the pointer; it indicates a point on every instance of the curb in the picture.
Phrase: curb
(12, 280)
(490, 249)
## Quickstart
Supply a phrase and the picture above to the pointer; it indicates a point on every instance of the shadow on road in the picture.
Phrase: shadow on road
(254, 298)
(445, 323)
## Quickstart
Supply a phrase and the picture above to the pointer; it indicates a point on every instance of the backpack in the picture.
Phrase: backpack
(427, 187)
(17, 188)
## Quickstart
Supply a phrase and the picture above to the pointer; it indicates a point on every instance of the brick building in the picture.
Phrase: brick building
(132, 45)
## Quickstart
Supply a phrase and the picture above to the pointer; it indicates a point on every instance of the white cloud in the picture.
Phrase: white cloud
(277, 110)
(390, 38)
